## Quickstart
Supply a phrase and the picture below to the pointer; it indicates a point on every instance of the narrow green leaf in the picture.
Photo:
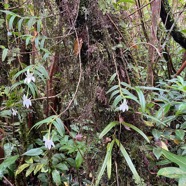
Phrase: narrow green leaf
(59, 126)
(28, 38)
(114, 93)
(30, 169)
(56, 177)
(129, 162)
(155, 119)
(129, 95)
(19, 24)
(103, 167)
(108, 128)
(112, 88)
(126, 85)
(37, 42)
(31, 22)
(179, 160)
(33, 152)
(117, 100)
(152, 88)
(42, 42)
(11, 21)
(137, 130)
(43, 71)
(21, 168)
(172, 172)
(50, 119)
(39, 22)
(4, 54)
(141, 97)
(22, 71)
(109, 160)
(9, 13)
(112, 78)
(32, 88)
(39, 166)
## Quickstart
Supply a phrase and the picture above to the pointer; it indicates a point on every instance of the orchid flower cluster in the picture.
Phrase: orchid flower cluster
(27, 103)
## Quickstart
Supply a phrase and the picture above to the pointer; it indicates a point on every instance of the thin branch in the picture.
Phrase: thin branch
(8, 181)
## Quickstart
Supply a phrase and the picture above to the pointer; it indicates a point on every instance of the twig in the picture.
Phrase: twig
(145, 44)
(117, 179)
(8, 181)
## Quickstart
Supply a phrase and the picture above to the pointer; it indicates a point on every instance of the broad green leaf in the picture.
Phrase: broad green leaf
(181, 109)
(4, 54)
(182, 181)
(62, 167)
(179, 160)
(180, 134)
(161, 113)
(137, 130)
(56, 177)
(109, 160)
(7, 162)
(21, 168)
(5, 113)
(129, 162)
(79, 159)
(33, 152)
(157, 152)
(108, 128)
(142, 101)
(156, 134)
(71, 162)
(171, 172)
